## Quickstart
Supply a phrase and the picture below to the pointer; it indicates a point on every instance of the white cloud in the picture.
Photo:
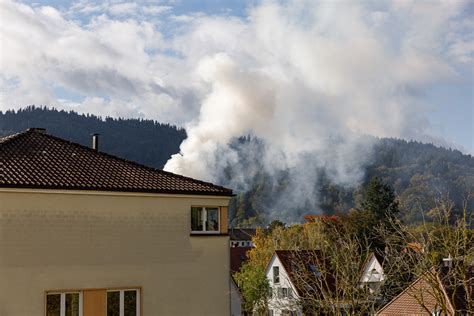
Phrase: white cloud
(156, 9)
(122, 9)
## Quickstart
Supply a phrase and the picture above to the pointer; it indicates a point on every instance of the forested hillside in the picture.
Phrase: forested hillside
(419, 173)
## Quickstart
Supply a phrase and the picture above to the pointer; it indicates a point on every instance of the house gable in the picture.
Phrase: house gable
(277, 302)
(372, 272)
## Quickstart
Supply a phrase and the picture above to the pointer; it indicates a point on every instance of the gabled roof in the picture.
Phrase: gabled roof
(302, 268)
(242, 233)
(373, 255)
(34, 159)
(405, 303)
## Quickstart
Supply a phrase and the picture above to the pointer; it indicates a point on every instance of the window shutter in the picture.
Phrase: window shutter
(224, 219)
(94, 302)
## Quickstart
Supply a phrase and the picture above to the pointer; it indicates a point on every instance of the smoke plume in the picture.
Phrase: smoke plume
(311, 82)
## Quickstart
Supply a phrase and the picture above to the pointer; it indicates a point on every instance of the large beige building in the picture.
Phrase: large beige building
(86, 233)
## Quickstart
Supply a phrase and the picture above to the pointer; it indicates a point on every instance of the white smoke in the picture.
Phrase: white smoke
(311, 80)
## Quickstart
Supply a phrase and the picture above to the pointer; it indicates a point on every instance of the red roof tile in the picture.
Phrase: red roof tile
(34, 159)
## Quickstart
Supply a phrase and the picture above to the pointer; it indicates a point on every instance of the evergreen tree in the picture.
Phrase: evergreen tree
(380, 200)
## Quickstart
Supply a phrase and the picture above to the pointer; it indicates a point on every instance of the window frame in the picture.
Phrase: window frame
(283, 292)
(122, 299)
(276, 277)
(204, 209)
(62, 304)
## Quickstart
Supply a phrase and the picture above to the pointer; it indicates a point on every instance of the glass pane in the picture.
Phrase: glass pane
(53, 304)
(130, 303)
(72, 304)
(276, 274)
(196, 219)
(212, 223)
(113, 303)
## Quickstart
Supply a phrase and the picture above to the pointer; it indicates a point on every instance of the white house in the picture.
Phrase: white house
(372, 273)
(285, 298)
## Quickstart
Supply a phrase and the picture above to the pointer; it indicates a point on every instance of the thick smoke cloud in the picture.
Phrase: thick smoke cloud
(311, 82)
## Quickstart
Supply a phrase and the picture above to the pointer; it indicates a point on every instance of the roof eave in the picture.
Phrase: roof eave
(105, 189)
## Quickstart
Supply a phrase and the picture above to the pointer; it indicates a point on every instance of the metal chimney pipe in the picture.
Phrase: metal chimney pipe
(95, 141)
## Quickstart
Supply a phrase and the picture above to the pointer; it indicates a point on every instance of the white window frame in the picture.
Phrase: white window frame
(283, 292)
(62, 306)
(204, 220)
(122, 300)
(276, 277)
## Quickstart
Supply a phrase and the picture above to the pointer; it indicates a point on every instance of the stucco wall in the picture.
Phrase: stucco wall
(235, 300)
(77, 241)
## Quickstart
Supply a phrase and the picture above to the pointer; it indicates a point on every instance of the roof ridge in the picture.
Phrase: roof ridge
(10, 137)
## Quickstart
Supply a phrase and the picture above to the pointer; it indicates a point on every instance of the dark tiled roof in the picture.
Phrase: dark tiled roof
(34, 159)
(302, 268)
(242, 233)
(238, 255)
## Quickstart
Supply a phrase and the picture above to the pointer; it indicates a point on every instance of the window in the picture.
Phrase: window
(123, 303)
(205, 219)
(284, 292)
(276, 275)
(64, 304)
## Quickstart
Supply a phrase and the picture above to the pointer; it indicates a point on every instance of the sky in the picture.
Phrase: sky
(385, 68)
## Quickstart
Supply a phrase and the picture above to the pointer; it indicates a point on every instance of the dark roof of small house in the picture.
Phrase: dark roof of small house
(34, 159)
(298, 265)
(238, 256)
(242, 233)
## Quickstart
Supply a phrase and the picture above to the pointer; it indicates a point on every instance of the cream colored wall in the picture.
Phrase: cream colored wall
(76, 241)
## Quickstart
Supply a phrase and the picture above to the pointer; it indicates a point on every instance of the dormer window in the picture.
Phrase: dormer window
(205, 219)
(314, 270)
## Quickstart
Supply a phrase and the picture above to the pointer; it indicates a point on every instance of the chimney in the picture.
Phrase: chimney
(95, 141)
(37, 130)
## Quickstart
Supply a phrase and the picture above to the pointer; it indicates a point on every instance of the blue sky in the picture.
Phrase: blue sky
(386, 68)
